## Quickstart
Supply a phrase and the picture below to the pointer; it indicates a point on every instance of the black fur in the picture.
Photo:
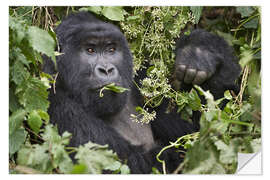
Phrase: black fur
(77, 108)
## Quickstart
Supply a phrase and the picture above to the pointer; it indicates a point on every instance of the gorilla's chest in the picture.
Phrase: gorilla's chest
(135, 133)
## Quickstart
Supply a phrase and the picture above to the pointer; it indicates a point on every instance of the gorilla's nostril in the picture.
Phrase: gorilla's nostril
(102, 70)
(110, 70)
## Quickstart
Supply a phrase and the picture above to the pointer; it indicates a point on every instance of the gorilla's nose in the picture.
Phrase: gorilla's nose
(106, 72)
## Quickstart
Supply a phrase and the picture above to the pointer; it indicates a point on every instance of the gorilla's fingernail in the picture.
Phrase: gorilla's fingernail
(200, 77)
(190, 75)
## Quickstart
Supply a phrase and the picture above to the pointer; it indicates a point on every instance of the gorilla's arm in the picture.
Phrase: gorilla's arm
(205, 59)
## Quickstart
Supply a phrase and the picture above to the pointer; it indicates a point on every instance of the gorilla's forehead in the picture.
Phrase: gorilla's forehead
(99, 32)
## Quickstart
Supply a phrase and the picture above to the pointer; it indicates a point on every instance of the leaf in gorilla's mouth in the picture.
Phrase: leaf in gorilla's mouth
(112, 87)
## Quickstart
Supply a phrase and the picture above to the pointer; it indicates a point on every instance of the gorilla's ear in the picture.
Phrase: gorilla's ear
(48, 65)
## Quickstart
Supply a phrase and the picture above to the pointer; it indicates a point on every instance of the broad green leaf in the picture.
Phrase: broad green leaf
(97, 157)
(36, 157)
(228, 153)
(18, 72)
(16, 139)
(51, 135)
(18, 29)
(41, 41)
(94, 9)
(15, 120)
(252, 24)
(114, 13)
(197, 11)
(245, 11)
(202, 159)
(33, 94)
(34, 121)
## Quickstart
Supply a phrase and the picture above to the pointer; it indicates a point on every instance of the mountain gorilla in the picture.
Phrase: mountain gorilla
(95, 54)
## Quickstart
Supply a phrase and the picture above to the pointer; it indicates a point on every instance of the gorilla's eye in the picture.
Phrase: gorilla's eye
(111, 49)
(90, 50)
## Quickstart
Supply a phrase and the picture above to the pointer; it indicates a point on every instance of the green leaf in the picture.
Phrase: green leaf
(252, 24)
(34, 121)
(124, 169)
(202, 159)
(112, 87)
(41, 41)
(16, 139)
(18, 29)
(44, 115)
(33, 94)
(228, 153)
(197, 11)
(15, 120)
(245, 58)
(194, 100)
(245, 11)
(114, 13)
(94, 9)
(79, 169)
(36, 157)
(18, 72)
(227, 95)
(98, 157)
(13, 100)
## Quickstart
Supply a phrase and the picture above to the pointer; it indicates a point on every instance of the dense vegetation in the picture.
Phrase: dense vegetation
(35, 145)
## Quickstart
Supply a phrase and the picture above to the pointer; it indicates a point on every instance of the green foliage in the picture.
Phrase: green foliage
(36, 147)
(114, 13)
(97, 158)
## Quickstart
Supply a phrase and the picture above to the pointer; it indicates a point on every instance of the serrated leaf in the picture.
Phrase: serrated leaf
(15, 120)
(18, 72)
(228, 153)
(41, 41)
(17, 28)
(114, 13)
(35, 157)
(97, 157)
(16, 139)
(33, 94)
(34, 121)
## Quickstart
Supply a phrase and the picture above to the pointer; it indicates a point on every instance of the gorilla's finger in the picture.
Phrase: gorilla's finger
(180, 72)
(200, 77)
(190, 75)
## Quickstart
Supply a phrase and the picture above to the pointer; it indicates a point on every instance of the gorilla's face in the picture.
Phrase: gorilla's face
(95, 56)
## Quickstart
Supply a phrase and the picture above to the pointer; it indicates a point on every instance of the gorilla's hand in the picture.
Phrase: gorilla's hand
(194, 65)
